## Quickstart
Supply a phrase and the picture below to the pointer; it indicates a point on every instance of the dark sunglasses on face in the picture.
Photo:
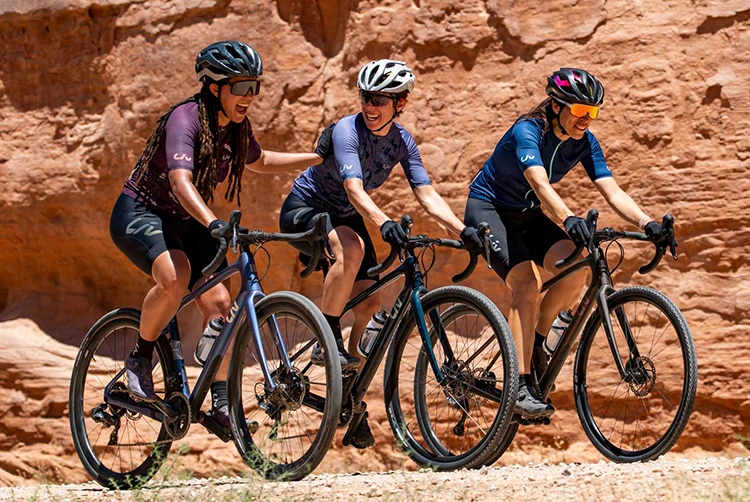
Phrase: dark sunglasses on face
(244, 87)
(376, 100)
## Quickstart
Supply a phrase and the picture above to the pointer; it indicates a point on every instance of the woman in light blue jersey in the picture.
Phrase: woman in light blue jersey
(508, 193)
(366, 146)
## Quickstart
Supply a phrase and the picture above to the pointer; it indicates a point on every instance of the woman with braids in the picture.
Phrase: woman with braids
(509, 192)
(161, 221)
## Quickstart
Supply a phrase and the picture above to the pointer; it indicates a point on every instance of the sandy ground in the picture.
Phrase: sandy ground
(660, 480)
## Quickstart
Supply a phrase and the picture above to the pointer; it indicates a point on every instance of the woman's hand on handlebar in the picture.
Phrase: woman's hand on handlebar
(393, 233)
(473, 242)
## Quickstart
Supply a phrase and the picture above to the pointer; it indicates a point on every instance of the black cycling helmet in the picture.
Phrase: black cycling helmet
(227, 59)
(572, 85)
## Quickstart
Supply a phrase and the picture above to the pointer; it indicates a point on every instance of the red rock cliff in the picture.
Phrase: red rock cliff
(82, 83)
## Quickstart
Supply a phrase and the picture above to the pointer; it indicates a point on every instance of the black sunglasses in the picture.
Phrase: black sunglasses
(376, 99)
(244, 87)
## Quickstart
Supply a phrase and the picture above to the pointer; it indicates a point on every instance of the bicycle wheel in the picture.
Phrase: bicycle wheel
(640, 416)
(120, 449)
(284, 433)
(459, 423)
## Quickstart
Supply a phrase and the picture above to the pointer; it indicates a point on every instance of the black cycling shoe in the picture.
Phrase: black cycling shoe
(530, 404)
(140, 382)
(220, 415)
(347, 360)
(362, 437)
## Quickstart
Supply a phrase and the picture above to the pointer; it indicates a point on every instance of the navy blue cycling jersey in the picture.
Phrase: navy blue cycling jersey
(501, 180)
(358, 153)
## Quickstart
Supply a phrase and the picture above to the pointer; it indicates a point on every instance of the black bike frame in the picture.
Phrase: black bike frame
(600, 287)
(412, 291)
(241, 312)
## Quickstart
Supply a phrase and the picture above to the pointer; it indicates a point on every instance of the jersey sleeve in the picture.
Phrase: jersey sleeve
(182, 137)
(412, 163)
(527, 137)
(253, 148)
(346, 149)
(594, 163)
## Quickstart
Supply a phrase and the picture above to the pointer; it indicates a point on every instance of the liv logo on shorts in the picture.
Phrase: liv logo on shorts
(147, 228)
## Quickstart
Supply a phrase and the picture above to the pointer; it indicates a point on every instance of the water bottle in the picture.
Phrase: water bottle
(371, 332)
(556, 331)
(207, 340)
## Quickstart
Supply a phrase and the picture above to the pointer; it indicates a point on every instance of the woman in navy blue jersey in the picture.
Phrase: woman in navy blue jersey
(539, 149)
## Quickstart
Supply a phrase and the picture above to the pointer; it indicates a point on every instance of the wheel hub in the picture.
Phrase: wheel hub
(640, 375)
(460, 381)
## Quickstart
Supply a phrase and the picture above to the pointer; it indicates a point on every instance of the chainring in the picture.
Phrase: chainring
(178, 427)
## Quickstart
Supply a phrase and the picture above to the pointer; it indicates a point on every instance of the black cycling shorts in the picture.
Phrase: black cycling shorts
(142, 235)
(296, 216)
(515, 237)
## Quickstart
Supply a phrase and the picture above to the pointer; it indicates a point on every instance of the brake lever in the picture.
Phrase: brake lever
(484, 233)
(234, 239)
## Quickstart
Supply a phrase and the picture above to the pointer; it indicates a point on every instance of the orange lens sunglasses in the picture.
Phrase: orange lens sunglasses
(580, 110)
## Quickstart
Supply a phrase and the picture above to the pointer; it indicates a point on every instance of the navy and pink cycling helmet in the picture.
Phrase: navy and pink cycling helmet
(571, 85)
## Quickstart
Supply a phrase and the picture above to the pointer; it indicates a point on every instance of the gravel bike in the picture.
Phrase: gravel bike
(122, 442)
(635, 370)
(451, 374)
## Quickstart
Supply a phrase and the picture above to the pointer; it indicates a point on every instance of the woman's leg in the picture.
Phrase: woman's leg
(564, 294)
(171, 271)
(525, 283)
(512, 262)
(362, 313)
(348, 251)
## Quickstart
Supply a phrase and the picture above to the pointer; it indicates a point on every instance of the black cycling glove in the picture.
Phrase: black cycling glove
(472, 242)
(578, 230)
(325, 142)
(656, 233)
(220, 229)
(393, 234)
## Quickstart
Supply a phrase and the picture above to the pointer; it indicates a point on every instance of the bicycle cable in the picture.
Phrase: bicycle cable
(421, 257)
(622, 254)
(268, 266)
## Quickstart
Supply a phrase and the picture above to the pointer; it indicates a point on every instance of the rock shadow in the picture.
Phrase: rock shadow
(323, 22)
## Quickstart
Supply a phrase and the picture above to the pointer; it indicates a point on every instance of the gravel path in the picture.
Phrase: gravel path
(683, 480)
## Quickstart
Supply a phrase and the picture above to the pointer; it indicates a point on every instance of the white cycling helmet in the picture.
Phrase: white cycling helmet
(386, 76)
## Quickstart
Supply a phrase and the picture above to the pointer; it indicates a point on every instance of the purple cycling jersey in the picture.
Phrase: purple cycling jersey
(358, 153)
(178, 149)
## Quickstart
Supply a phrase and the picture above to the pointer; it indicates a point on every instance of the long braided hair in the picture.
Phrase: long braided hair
(204, 173)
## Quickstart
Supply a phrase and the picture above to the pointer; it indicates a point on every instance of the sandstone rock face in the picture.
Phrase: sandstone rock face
(82, 83)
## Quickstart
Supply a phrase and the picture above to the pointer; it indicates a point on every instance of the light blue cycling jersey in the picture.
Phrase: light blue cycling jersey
(358, 153)
(501, 180)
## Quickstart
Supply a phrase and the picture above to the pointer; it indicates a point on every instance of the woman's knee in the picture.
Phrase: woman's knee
(347, 247)
(525, 282)
(171, 271)
(215, 301)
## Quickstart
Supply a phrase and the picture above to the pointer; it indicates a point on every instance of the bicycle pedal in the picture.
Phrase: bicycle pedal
(214, 428)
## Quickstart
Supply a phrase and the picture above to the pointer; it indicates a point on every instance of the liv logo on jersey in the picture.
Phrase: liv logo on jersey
(183, 156)
(527, 157)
